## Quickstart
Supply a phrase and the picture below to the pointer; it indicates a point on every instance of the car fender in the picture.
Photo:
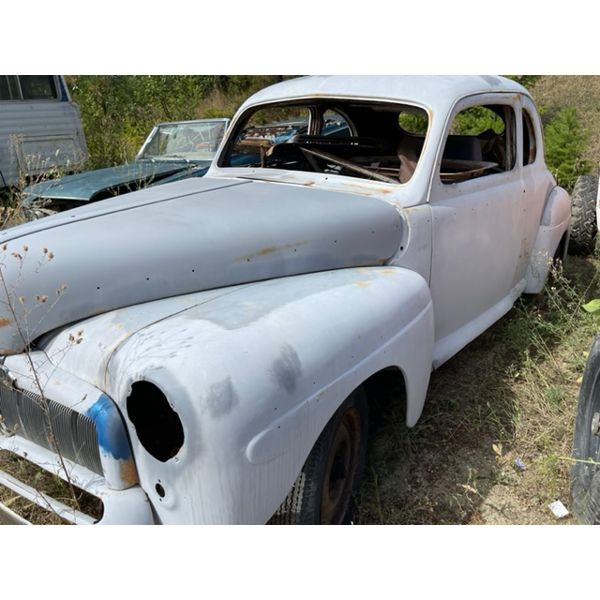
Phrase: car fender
(255, 375)
(553, 227)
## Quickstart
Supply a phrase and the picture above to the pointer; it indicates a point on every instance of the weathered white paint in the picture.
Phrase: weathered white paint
(256, 369)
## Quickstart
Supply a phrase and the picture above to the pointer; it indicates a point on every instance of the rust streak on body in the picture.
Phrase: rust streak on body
(128, 472)
(5, 321)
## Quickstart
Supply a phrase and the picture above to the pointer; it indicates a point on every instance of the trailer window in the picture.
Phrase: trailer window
(9, 88)
(38, 87)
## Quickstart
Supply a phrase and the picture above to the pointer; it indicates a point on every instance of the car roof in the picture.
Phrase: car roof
(433, 91)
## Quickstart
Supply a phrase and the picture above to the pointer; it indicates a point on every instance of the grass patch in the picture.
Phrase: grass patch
(42, 481)
(510, 394)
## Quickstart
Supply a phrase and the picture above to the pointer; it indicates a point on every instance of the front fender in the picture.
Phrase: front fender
(256, 374)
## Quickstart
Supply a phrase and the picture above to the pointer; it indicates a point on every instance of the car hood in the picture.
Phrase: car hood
(180, 238)
(82, 187)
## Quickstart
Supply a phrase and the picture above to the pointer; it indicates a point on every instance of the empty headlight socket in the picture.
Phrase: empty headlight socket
(157, 425)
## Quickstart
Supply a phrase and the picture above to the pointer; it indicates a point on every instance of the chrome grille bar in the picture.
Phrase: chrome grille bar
(36, 419)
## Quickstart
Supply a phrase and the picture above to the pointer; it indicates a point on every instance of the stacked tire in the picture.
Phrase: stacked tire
(583, 215)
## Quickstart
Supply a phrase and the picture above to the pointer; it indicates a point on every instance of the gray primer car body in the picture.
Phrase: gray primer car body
(213, 234)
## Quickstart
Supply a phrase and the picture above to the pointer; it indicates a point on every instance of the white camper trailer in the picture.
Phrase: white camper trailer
(40, 127)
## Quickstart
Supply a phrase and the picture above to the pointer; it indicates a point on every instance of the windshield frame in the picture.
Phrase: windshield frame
(182, 155)
(317, 105)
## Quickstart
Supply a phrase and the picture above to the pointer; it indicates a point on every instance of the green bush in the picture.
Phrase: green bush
(565, 143)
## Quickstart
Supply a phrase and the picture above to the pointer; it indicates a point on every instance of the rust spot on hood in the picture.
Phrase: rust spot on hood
(267, 250)
(4, 321)
(270, 250)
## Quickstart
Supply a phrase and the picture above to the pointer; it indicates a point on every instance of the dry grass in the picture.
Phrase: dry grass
(510, 394)
(42, 481)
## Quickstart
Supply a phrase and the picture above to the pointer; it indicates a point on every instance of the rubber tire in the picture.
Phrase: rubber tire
(585, 478)
(583, 215)
(302, 506)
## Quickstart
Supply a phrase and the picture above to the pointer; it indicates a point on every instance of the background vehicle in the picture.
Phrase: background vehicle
(40, 127)
(172, 151)
(215, 356)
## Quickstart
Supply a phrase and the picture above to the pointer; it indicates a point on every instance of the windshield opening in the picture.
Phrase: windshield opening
(368, 140)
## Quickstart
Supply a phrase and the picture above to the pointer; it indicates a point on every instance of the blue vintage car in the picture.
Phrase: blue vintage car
(172, 151)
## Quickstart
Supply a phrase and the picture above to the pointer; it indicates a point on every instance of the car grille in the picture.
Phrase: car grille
(33, 418)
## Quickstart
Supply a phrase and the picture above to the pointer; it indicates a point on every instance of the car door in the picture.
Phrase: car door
(477, 210)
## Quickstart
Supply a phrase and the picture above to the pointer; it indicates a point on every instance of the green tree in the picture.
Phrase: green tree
(118, 111)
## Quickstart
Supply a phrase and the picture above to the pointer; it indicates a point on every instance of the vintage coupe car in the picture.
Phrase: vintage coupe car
(206, 351)
(171, 152)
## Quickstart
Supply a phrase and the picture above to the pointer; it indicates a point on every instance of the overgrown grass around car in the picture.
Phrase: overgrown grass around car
(511, 394)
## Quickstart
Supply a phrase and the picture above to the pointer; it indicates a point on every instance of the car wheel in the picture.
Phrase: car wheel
(322, 493)
(585, 472)
(583, 215)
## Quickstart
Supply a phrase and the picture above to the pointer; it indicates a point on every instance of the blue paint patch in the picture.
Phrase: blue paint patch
(112, 435)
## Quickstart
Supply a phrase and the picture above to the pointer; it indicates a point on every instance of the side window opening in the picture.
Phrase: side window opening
(529, 145)
(481, 142)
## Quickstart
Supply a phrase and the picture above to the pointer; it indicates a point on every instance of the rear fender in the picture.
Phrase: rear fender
(554, 225)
